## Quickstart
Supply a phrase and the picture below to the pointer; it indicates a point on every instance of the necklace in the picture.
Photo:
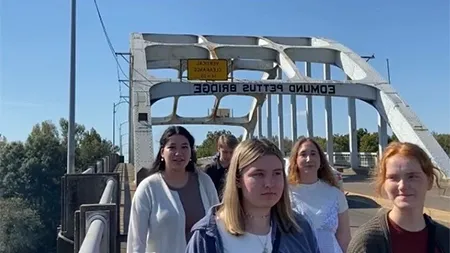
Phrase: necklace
(265, 250)
(257, 217)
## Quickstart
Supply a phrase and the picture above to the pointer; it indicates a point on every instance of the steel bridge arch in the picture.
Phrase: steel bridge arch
(272, 55)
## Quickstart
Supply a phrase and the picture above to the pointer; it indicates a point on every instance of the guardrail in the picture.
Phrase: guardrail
(366, 160)
(99, 222)
(90, 204)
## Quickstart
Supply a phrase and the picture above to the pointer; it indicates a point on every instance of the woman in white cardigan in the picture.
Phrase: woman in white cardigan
(171, 199)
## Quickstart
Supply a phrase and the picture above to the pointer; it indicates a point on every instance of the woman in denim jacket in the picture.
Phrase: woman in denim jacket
(255, 215)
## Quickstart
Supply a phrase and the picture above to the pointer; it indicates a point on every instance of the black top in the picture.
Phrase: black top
(218, 174)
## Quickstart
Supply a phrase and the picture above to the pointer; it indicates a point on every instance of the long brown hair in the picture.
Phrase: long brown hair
(325, 173)
(231, 211)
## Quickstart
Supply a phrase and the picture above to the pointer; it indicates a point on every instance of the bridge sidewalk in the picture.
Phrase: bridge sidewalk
(127, 189)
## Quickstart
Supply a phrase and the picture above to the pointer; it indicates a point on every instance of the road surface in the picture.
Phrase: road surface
(362, 206)
(361, 210)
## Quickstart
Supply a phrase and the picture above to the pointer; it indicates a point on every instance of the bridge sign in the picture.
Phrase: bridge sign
(208, 70)
(287, 88)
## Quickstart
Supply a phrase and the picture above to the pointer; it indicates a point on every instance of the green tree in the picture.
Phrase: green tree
(79, 131)
(341, 143)
(12, 183)
(444, 141)
(368, 142)
(3, 142)
(359, 134)
(91, 148)
(89, 145)
(33, 170)
(392, 138)
(322, 142)
(20, 226)
(287, 144)
(209, 145)
(43, 169)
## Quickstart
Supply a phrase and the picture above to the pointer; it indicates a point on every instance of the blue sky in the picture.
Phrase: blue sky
(35, 36)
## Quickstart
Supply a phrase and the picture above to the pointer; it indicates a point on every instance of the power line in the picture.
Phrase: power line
(113, 51)
(111, 47)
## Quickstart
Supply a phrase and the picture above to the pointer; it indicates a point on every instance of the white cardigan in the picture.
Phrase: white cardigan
(157, 218)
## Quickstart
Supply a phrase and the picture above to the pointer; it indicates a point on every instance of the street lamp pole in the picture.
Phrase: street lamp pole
(114, 120)
(114, 125)
(120, 136)
(71, 126)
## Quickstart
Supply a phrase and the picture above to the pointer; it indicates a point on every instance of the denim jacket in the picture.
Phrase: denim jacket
(206, 238)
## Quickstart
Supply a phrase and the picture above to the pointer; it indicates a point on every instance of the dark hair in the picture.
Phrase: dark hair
(159, 165)
(325, 172)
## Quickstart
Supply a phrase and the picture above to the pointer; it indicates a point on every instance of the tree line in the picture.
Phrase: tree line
(30, 183)
(366, 142)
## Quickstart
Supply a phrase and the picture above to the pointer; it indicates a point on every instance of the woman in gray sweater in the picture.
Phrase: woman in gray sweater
(405, 174)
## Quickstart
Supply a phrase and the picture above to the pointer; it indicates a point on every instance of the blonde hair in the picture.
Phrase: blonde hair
(411, 151)
(324, 173)
(231, 211)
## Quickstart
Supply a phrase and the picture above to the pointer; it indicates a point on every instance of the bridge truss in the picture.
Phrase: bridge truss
(273, 56)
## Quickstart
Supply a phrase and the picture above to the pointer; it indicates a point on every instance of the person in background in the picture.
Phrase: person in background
(256, 214)
(171, 199)
(316, 194)
(219, 166)
(405, 173)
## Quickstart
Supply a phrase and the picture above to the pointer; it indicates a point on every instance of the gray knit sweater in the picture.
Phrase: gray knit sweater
(374, 237)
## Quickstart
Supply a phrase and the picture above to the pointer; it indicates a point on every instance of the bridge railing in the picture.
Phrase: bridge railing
(366, 160)
(90, 209)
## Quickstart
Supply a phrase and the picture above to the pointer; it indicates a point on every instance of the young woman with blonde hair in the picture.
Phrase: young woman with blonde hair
(255, 215)
(405, 174)
(315, 193)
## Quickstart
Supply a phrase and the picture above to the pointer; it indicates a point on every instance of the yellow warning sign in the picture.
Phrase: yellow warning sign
(205, 69)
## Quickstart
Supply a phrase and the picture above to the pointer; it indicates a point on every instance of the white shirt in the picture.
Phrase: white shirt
(157, 219)
(322, 204)
(244, 243)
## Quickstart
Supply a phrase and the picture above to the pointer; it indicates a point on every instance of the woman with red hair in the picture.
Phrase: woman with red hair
(405, 174)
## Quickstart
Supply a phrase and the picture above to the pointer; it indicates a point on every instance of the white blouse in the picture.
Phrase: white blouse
(322, 204)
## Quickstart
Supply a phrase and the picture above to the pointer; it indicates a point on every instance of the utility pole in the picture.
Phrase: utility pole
(71, 127)
(387, 65)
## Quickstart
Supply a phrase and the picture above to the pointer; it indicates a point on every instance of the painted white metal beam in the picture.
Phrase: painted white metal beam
(154, 51)
(323, 88)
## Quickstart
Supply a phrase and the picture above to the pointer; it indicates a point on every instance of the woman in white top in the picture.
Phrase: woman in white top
(256, 215)
(316, 194)
(171, 199)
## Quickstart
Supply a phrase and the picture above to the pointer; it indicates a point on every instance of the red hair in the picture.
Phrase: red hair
(411, 151)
